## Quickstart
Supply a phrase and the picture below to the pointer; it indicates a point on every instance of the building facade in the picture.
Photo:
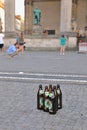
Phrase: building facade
(2, 21)
(12, 22)
(58, 15)
(19, 23)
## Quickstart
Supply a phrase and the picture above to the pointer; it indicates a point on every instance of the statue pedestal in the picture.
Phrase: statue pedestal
(37, 29)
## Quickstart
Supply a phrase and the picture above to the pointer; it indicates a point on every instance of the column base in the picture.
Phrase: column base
(10, 34)
(28, 32)
(37, 30)
(69, 34)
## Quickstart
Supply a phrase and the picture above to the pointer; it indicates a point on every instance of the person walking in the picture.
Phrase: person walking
(1, 41)
(63, 42)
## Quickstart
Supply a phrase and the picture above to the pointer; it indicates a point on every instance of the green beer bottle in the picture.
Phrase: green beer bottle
(59, 92)
(52, 102)
(46, 99)
(40, 94)
(56, 97)
(50, 87)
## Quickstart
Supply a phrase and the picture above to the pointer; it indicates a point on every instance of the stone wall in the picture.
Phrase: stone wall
(51, 14)
(44, 44)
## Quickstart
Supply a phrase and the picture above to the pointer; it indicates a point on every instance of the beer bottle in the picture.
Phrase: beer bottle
(50, 87)
(52, 102)
(46, 99)
(59, 92)
(56, 97)
(40, 97)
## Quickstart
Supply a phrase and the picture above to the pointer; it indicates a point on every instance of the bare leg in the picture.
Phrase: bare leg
(14, 54)
(61, 50)
(2, 50)
(21, 48)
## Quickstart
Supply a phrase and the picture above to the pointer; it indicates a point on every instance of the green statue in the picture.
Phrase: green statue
(37, 16)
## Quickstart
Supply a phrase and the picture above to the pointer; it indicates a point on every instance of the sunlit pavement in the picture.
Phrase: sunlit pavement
(45, 62)
(18, 102)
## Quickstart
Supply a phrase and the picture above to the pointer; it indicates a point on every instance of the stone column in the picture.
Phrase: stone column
(9, 16)
(73, 21)
(66, 15)
(28, 16)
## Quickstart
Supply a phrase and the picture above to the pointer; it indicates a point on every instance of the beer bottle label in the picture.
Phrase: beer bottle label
(46, 94)
(41, 101)
(41, 92)
(58, 91)
(51, 95)
(47, 103)
(58, 101)
(50, 105)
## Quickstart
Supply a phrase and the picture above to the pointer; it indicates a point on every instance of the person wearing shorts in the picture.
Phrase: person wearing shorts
(63, 42)
(14, 50)
(1, 42)
(21, 41)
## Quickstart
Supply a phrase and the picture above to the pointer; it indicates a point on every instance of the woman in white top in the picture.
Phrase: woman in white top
(1, 41)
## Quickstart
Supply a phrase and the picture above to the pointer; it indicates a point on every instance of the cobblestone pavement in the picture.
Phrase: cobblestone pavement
(18, 102)
(18, 108)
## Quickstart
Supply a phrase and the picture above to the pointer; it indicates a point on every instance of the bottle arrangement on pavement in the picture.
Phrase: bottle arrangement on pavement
(49, 99)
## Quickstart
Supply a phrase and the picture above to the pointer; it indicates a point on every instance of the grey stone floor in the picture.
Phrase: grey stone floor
(18, 110)
(45, 62)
